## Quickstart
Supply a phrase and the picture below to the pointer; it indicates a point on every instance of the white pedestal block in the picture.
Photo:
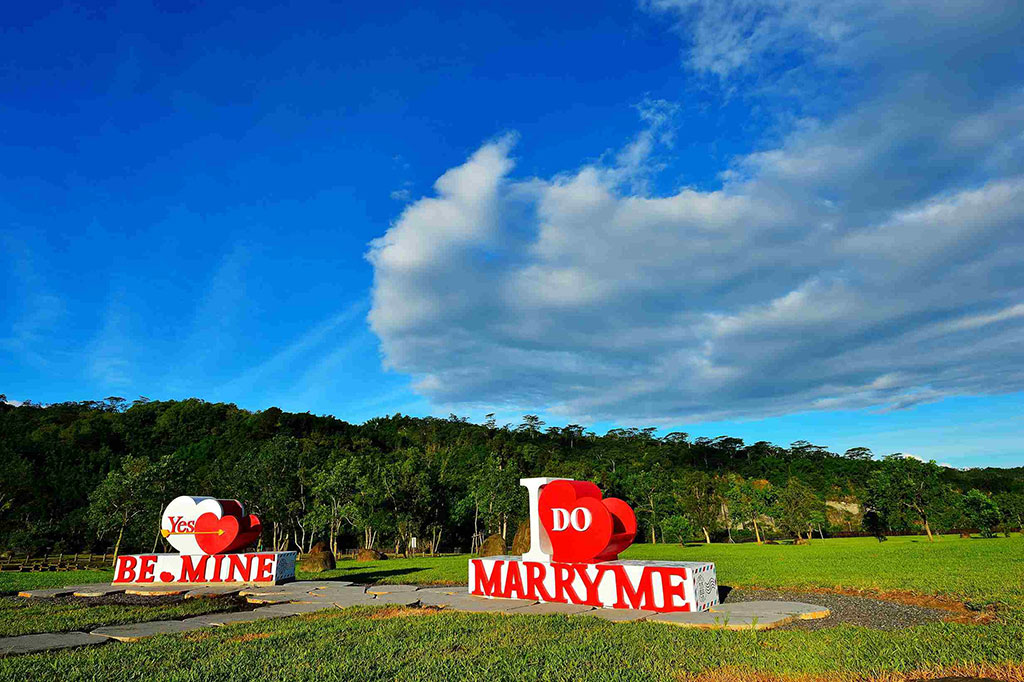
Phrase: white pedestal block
(264, 568)
(663, 586)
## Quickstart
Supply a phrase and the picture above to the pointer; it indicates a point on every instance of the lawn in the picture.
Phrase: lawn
(389, 643)
(22, 616)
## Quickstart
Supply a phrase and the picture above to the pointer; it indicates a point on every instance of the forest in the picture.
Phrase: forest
(94, 475)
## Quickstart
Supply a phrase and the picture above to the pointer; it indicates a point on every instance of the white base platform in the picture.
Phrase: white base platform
(262, 568)
(662, 586)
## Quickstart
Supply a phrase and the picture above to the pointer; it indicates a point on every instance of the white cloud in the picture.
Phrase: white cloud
(867, 258)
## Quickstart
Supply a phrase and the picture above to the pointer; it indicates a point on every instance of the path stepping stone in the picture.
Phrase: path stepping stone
(270, 598)
(484, 605)
(211, 592)
(294, 609)
(723, 621)
(441, 596)
(399, 598)
(391, 589)
(157, 591)
(319, 584)
(797, 609)
(330, 592)
(137, 631)
(49, 593)
(619, 615)
(551, 609)
(218, 619)
(100, 590)
(29, 644)
(356, 597)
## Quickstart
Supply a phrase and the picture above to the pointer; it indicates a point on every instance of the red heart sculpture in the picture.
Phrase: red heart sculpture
(583, 527)
(225, 534)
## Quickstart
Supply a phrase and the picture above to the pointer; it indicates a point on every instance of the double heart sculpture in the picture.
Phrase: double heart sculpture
(206, 525)
(600, 529)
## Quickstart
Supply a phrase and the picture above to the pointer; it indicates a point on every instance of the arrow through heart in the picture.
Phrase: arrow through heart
(206, 525)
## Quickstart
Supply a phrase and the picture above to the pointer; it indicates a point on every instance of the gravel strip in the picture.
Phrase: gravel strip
(869, 613)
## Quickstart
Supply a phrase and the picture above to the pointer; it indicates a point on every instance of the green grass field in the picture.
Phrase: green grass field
(388, 643)
(24, 617)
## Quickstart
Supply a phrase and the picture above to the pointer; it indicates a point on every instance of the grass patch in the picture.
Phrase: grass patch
(27, 616)
(12, 583)
(971, 570)
(351, 644)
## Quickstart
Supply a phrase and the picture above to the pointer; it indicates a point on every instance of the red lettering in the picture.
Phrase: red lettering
(125, 569)
(669, 590)
(146, 564)
(589, 584)
(563, 584)
(513, 581)
(484, 585)
(265, 567)
(535, 581)
(641, 597)
(218, 560)
(192, 573)
(180, 525)
(237, 571)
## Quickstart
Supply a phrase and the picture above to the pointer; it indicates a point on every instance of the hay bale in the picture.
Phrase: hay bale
(494, 545)
(521, 542)
(370, 555)
(319, 559)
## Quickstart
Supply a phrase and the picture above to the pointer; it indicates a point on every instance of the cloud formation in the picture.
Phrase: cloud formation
(869, 256)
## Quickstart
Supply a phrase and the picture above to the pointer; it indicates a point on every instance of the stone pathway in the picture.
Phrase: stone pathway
(310, 596)
(29, 644)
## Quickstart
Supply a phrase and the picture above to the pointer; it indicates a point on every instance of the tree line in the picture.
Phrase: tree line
(93, 475)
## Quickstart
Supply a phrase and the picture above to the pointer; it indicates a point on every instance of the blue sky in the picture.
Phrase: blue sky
(795, 220)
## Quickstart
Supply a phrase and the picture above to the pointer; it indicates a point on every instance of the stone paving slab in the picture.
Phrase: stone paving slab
(158, 591)
(100, 590)
(354, 598)
(318, 584)
(552, 609)
(136, 631)
(29, 644)
(723, 621)
(484, 605)
(48, 593)
(219, 619)
(289, 588)
(399, 599)
(327, 594)
(293, 609)
(793, 608)
(271, 598)
(391, 589)
(211, 592)
(620, 615)
(441, 596)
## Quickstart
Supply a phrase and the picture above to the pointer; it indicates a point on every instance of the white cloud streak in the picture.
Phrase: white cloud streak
(868, 258)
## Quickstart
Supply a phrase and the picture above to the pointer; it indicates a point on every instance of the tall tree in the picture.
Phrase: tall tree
(698, 495)
(982, 512)
(798, 509)
(905, 487)
(121, 498)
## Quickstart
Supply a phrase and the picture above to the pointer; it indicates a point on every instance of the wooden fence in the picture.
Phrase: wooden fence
(54, 562)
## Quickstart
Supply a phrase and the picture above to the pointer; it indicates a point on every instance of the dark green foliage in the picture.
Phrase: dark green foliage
(71, 471)
(798, 509)
(678, 528)
(903, 491)
(982, 511)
